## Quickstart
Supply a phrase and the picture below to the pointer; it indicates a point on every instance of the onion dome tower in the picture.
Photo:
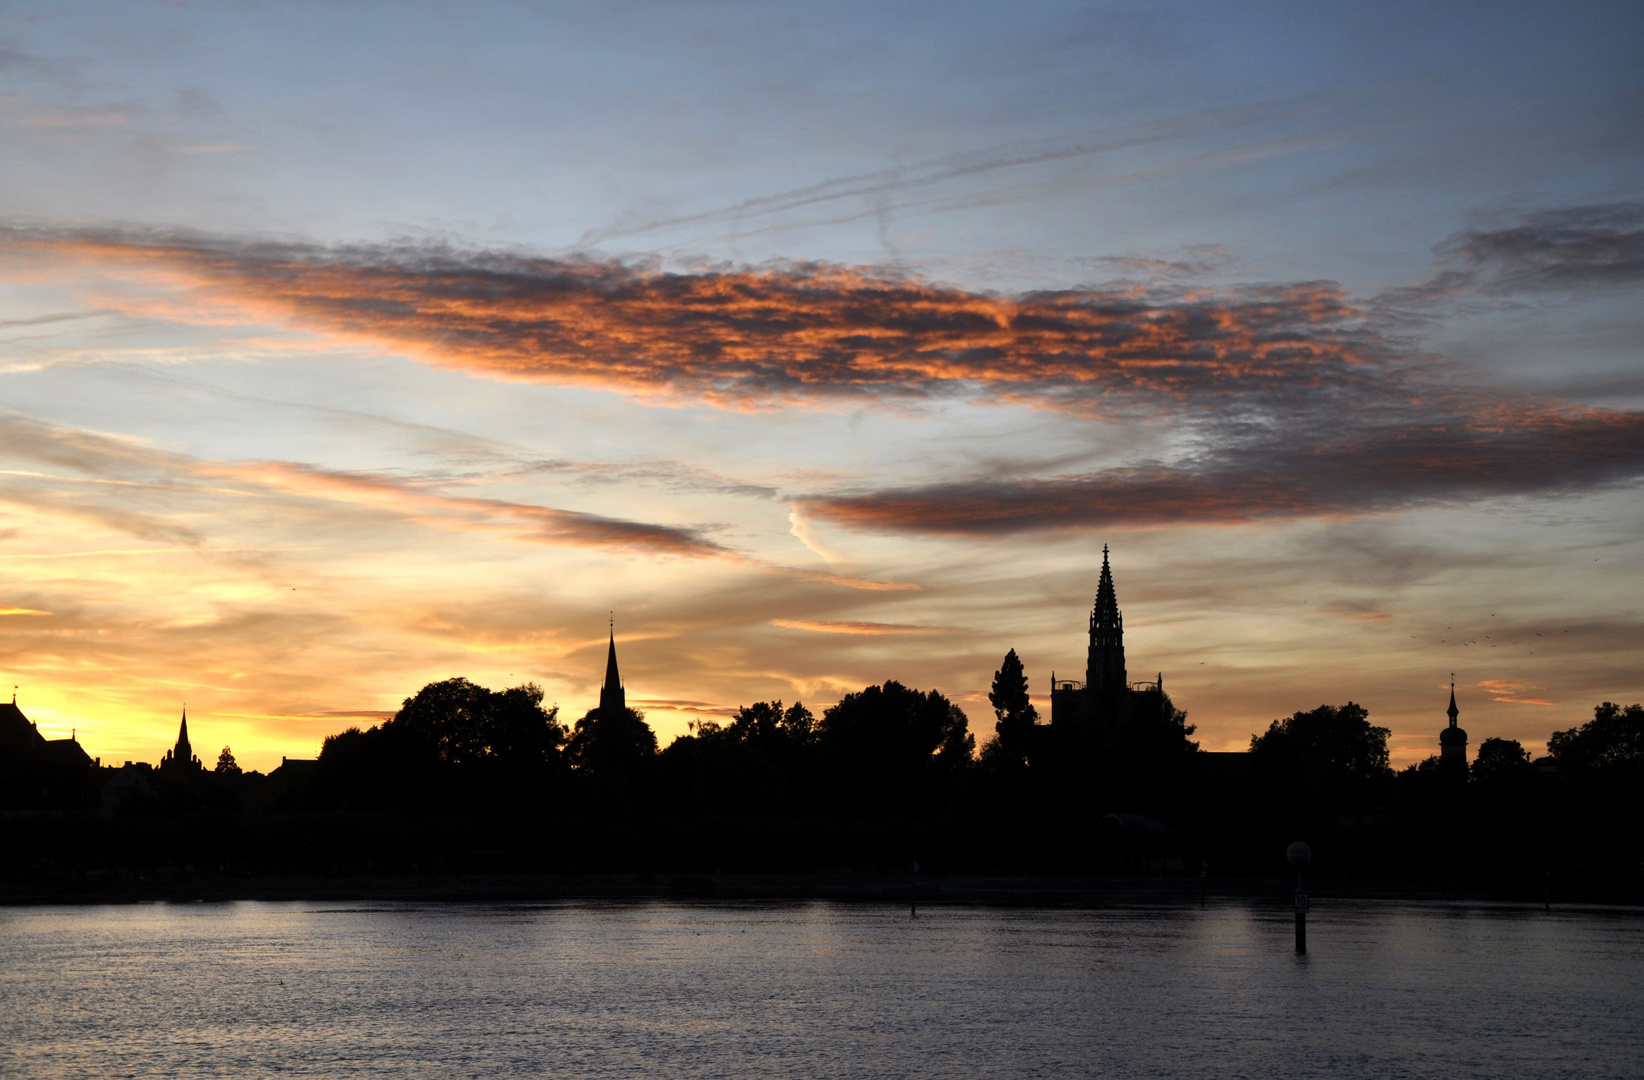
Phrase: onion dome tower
(1453, 740)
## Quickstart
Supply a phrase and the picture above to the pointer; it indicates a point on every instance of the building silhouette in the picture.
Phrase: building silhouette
(1104, 698)
(1452, 739)
(35, 770)
(612, 699)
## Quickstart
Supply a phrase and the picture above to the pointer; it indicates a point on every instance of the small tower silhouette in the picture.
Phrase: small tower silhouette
(612, 699)
(1453, 740)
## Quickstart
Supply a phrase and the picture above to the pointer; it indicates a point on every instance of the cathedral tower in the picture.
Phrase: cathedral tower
(1105, 663)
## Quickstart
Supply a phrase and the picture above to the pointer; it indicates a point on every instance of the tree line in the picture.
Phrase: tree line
(464, 778)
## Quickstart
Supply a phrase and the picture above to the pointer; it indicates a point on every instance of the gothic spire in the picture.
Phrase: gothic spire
(1105, 662)
(1106, 613)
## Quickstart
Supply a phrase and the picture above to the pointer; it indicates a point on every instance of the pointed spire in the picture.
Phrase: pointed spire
(1453, 711)
(612, 699)
(1106, 613)
(613, 679)
(183, 752)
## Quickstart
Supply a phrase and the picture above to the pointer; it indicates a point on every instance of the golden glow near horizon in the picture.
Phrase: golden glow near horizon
(816, 379)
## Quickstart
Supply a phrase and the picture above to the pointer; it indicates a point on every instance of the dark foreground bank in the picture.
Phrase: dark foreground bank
(912, 890)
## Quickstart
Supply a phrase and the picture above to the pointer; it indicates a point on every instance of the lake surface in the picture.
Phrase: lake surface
(815, 990)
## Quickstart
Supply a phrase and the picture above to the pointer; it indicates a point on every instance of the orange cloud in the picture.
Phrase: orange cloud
(1507, 690)
(21, 611)
(1286, 401)
(738, 337)
(867, 629)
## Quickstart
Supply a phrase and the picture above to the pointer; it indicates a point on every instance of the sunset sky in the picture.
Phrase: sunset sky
(348, 347)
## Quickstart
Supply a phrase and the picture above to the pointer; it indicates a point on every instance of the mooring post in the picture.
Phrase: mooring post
(1300, 855)
(913, 896)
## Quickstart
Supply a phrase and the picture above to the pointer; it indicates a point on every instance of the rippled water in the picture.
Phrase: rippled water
(767, 990)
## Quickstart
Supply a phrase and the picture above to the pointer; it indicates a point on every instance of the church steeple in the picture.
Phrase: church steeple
(184, 752)
(612, 699)
(181, 756)
(1105, 662)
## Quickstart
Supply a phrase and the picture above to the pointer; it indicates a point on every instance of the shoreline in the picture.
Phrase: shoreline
(955, 890)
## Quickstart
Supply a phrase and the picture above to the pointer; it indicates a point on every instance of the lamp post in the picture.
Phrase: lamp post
(1300, 855)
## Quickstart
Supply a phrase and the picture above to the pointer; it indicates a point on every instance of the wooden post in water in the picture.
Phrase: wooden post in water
(1300, 855)
(913, 896)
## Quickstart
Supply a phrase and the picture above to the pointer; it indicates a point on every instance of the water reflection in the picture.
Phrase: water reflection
(606, 989)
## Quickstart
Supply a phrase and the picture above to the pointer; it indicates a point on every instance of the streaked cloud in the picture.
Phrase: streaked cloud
(1576, 248)
(1510, 691)
(861, 629)
(1284, 400)
(419, 502)
(1362, 457)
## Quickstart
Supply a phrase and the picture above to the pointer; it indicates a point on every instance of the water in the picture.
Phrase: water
(815, 990)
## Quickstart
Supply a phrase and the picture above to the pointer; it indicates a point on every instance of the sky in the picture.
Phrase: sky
(348, 347)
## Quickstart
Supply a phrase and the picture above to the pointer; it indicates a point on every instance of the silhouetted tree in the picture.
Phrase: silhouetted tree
(757, 768)
(1319, 762)
(1500, 759)
(1601, 764)
(226, 765)
(1340, 740)
(451, 740)
(464, 724)
(1613, 740)
(893, 750)
(616, 744)
(1147, 754)
(1013, 711)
